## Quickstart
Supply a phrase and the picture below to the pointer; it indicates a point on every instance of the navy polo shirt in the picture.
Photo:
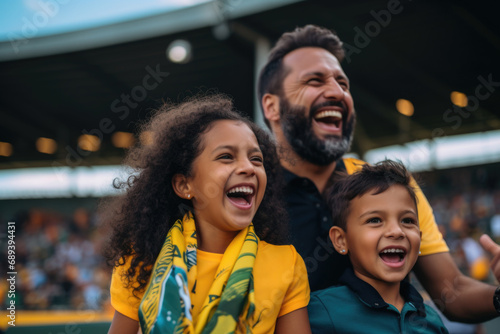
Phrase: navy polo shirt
(310, 223)
(356, 307)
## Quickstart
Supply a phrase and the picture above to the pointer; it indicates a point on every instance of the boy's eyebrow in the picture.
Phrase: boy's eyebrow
(369, 213)
(378, 212)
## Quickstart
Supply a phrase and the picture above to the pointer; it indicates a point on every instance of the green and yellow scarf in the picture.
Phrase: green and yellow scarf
(229, 306)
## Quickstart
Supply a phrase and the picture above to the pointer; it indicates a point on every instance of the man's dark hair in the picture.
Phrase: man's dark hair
(271, 76)
(378, 177)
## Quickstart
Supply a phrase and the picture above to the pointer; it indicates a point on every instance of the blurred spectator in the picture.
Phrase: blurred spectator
(58, 262)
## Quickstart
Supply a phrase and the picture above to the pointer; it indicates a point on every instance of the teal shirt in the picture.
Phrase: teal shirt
(356, 307)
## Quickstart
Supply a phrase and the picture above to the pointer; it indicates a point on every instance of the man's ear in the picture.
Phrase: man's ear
(338, 238)
(271, 107)
(181, 186)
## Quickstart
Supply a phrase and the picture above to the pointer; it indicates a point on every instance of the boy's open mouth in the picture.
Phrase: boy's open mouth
(241, 196)
(392, 255)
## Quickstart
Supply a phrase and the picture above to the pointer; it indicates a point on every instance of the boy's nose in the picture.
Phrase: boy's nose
(394, 230)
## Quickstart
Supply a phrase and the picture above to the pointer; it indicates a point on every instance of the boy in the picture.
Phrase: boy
(375, 213)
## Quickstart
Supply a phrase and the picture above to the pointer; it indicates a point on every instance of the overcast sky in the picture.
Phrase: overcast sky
(45, 17)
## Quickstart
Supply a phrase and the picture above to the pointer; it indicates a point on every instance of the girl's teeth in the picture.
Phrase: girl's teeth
(247, 190)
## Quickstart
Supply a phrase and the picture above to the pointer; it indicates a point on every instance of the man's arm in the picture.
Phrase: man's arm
(458, 297)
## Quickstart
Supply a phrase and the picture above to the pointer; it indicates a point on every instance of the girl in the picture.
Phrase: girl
(187, 257)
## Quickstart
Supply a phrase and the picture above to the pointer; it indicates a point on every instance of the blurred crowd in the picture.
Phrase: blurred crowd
(466, 204)
(60, 266)
(462, 219)
(58, 262)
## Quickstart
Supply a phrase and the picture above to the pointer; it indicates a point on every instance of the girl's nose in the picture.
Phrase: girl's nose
(245, 166)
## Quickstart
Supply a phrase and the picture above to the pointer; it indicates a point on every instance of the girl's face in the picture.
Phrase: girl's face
(228, 179)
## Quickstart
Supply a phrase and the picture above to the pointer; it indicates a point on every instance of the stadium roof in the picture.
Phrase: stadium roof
(108, 78)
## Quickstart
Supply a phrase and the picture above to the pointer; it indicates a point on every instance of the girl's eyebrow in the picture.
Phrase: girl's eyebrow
(233, 148)
(223, 147)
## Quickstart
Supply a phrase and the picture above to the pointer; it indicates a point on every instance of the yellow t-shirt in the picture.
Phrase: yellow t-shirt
(432, 240)
(280, 285)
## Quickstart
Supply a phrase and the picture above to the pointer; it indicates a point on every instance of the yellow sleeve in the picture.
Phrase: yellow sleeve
(122, 298)
(432, 240)
(298, 292)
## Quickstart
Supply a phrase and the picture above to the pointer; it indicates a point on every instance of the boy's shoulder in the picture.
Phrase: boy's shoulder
(333, 294)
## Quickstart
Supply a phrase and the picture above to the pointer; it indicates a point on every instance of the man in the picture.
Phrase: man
(307, 104)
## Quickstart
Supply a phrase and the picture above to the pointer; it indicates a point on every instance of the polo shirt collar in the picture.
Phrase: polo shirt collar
(368, 295)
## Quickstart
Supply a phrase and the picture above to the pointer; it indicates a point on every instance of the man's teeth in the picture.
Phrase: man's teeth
(246, 190)
(329, 113)
(392, 250)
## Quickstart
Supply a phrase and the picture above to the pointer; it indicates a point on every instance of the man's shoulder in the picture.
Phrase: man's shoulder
(352, 164)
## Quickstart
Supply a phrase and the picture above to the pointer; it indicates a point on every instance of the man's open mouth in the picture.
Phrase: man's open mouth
(330, 118)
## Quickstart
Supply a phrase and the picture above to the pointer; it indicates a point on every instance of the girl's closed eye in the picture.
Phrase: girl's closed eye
(257, 159)
(224, 156)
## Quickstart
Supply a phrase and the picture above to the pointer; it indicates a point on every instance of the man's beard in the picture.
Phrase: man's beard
(298, 130)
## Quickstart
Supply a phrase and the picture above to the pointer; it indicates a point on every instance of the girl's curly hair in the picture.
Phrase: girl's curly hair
(148, 207)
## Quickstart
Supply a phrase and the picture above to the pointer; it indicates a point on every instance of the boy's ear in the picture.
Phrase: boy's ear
(181, 186)
(271, 107)
(338, 238)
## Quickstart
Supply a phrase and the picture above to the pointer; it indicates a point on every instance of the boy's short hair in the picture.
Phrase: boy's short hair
(378, 177)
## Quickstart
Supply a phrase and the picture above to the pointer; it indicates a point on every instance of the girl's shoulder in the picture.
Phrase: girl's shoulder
(284, 254)
(267, 247)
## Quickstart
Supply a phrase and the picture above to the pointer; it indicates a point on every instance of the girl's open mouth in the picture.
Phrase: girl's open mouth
(241, 196)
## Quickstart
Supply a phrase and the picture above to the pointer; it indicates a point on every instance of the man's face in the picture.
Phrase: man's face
(316, 107)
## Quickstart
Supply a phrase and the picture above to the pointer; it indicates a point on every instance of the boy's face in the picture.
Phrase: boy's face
(382, 237)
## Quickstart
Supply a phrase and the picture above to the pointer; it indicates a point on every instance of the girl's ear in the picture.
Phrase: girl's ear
(181, 186)
(271, 107)
(338, 238)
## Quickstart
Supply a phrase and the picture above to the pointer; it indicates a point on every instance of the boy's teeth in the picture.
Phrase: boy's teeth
(329, 113)
(247, 190)
(392, 250)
